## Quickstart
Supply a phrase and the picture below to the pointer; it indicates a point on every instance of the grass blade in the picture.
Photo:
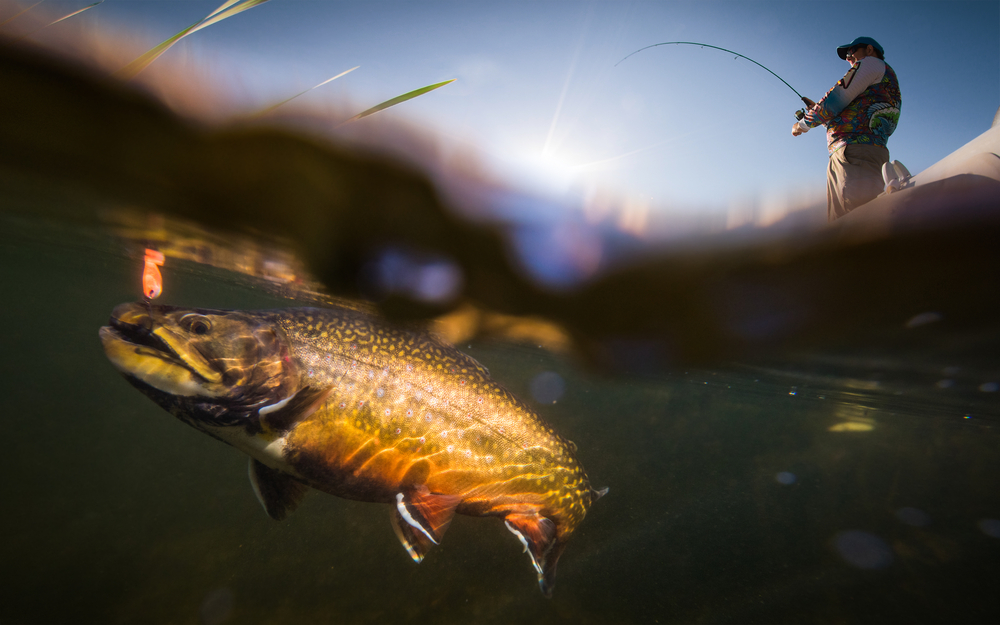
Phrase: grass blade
(132, 69)
(20, 13)
(220, 14)
(226, 9)
(274, 106)
(402, 98)
(66, 17)
(222, 7)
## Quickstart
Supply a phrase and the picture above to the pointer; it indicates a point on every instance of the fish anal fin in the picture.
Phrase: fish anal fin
(539, 537)
(420, 519)
(278, 492)
(283, 415)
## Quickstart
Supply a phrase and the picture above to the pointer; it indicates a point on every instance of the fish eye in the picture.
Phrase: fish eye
(197, 324)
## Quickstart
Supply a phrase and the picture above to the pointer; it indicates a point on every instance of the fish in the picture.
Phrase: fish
(339, 400)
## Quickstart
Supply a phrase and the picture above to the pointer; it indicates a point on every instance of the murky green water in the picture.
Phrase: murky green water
(734, 491)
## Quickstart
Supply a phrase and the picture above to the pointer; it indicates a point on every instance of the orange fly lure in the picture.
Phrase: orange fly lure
(152, 281)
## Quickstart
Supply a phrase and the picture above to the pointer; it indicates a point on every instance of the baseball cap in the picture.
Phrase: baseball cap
(860, 41)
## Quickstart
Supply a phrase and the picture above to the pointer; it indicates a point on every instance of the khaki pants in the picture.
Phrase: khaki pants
(854, 177)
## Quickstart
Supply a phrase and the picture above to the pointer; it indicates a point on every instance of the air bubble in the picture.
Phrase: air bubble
(863, 549)
(786, 477)
(547, 387)
(913, 516)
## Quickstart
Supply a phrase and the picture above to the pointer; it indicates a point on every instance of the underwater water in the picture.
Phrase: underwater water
(851, 485)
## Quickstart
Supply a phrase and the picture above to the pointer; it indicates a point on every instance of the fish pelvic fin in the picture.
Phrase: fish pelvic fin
(278, 492)
(285, 414)
(420, 519)
(538, 535)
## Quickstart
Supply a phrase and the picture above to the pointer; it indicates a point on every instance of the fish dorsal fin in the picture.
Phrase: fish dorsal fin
(420, 519)
(283, 415)
(278, 492)
(538, 535)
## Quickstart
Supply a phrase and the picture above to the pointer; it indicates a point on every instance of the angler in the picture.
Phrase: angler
(860, 112)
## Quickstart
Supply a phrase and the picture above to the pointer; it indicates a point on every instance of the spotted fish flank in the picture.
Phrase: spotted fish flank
(338, 400)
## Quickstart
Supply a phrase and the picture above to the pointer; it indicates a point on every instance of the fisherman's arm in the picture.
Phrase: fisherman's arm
(862, 75)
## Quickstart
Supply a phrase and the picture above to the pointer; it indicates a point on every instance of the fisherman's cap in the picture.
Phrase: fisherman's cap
(860, 41)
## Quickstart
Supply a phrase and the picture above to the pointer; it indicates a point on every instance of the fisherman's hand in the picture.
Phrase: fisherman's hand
(796, 129)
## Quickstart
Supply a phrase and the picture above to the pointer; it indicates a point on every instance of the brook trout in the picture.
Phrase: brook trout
(338, 400)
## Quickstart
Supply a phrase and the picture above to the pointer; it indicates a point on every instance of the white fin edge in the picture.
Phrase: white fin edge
(524, 542)
(277, 405)
(403, 512)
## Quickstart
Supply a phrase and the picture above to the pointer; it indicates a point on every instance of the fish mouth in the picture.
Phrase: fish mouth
(150, 352)
(142, 337)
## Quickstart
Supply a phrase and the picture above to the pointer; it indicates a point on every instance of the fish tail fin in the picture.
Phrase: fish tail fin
(539, 536)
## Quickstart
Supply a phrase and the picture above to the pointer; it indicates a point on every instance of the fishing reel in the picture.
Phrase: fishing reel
(799, 114)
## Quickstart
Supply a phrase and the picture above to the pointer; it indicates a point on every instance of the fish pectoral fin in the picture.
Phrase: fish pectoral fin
(420, 519)
(283, 415)
(278, 492)
(539, 537)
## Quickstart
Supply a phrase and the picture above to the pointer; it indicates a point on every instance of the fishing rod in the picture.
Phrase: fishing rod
(798, 114)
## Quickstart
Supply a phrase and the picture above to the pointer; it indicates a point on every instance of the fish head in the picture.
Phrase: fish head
(208, 367)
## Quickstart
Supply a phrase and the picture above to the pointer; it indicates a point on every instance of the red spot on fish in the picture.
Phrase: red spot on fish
(462, 382)
(361, 404)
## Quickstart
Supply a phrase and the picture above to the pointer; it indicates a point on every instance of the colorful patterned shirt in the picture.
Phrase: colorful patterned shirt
(863, 107)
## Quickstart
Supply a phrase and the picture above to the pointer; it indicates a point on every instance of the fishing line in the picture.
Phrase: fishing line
(706, 45)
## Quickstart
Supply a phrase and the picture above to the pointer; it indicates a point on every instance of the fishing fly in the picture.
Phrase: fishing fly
(798, 114)
(152, 281)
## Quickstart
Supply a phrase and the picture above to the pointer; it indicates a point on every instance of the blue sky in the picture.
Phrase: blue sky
(687, 129)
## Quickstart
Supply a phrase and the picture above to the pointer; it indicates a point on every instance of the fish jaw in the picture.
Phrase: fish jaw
(152, 358)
